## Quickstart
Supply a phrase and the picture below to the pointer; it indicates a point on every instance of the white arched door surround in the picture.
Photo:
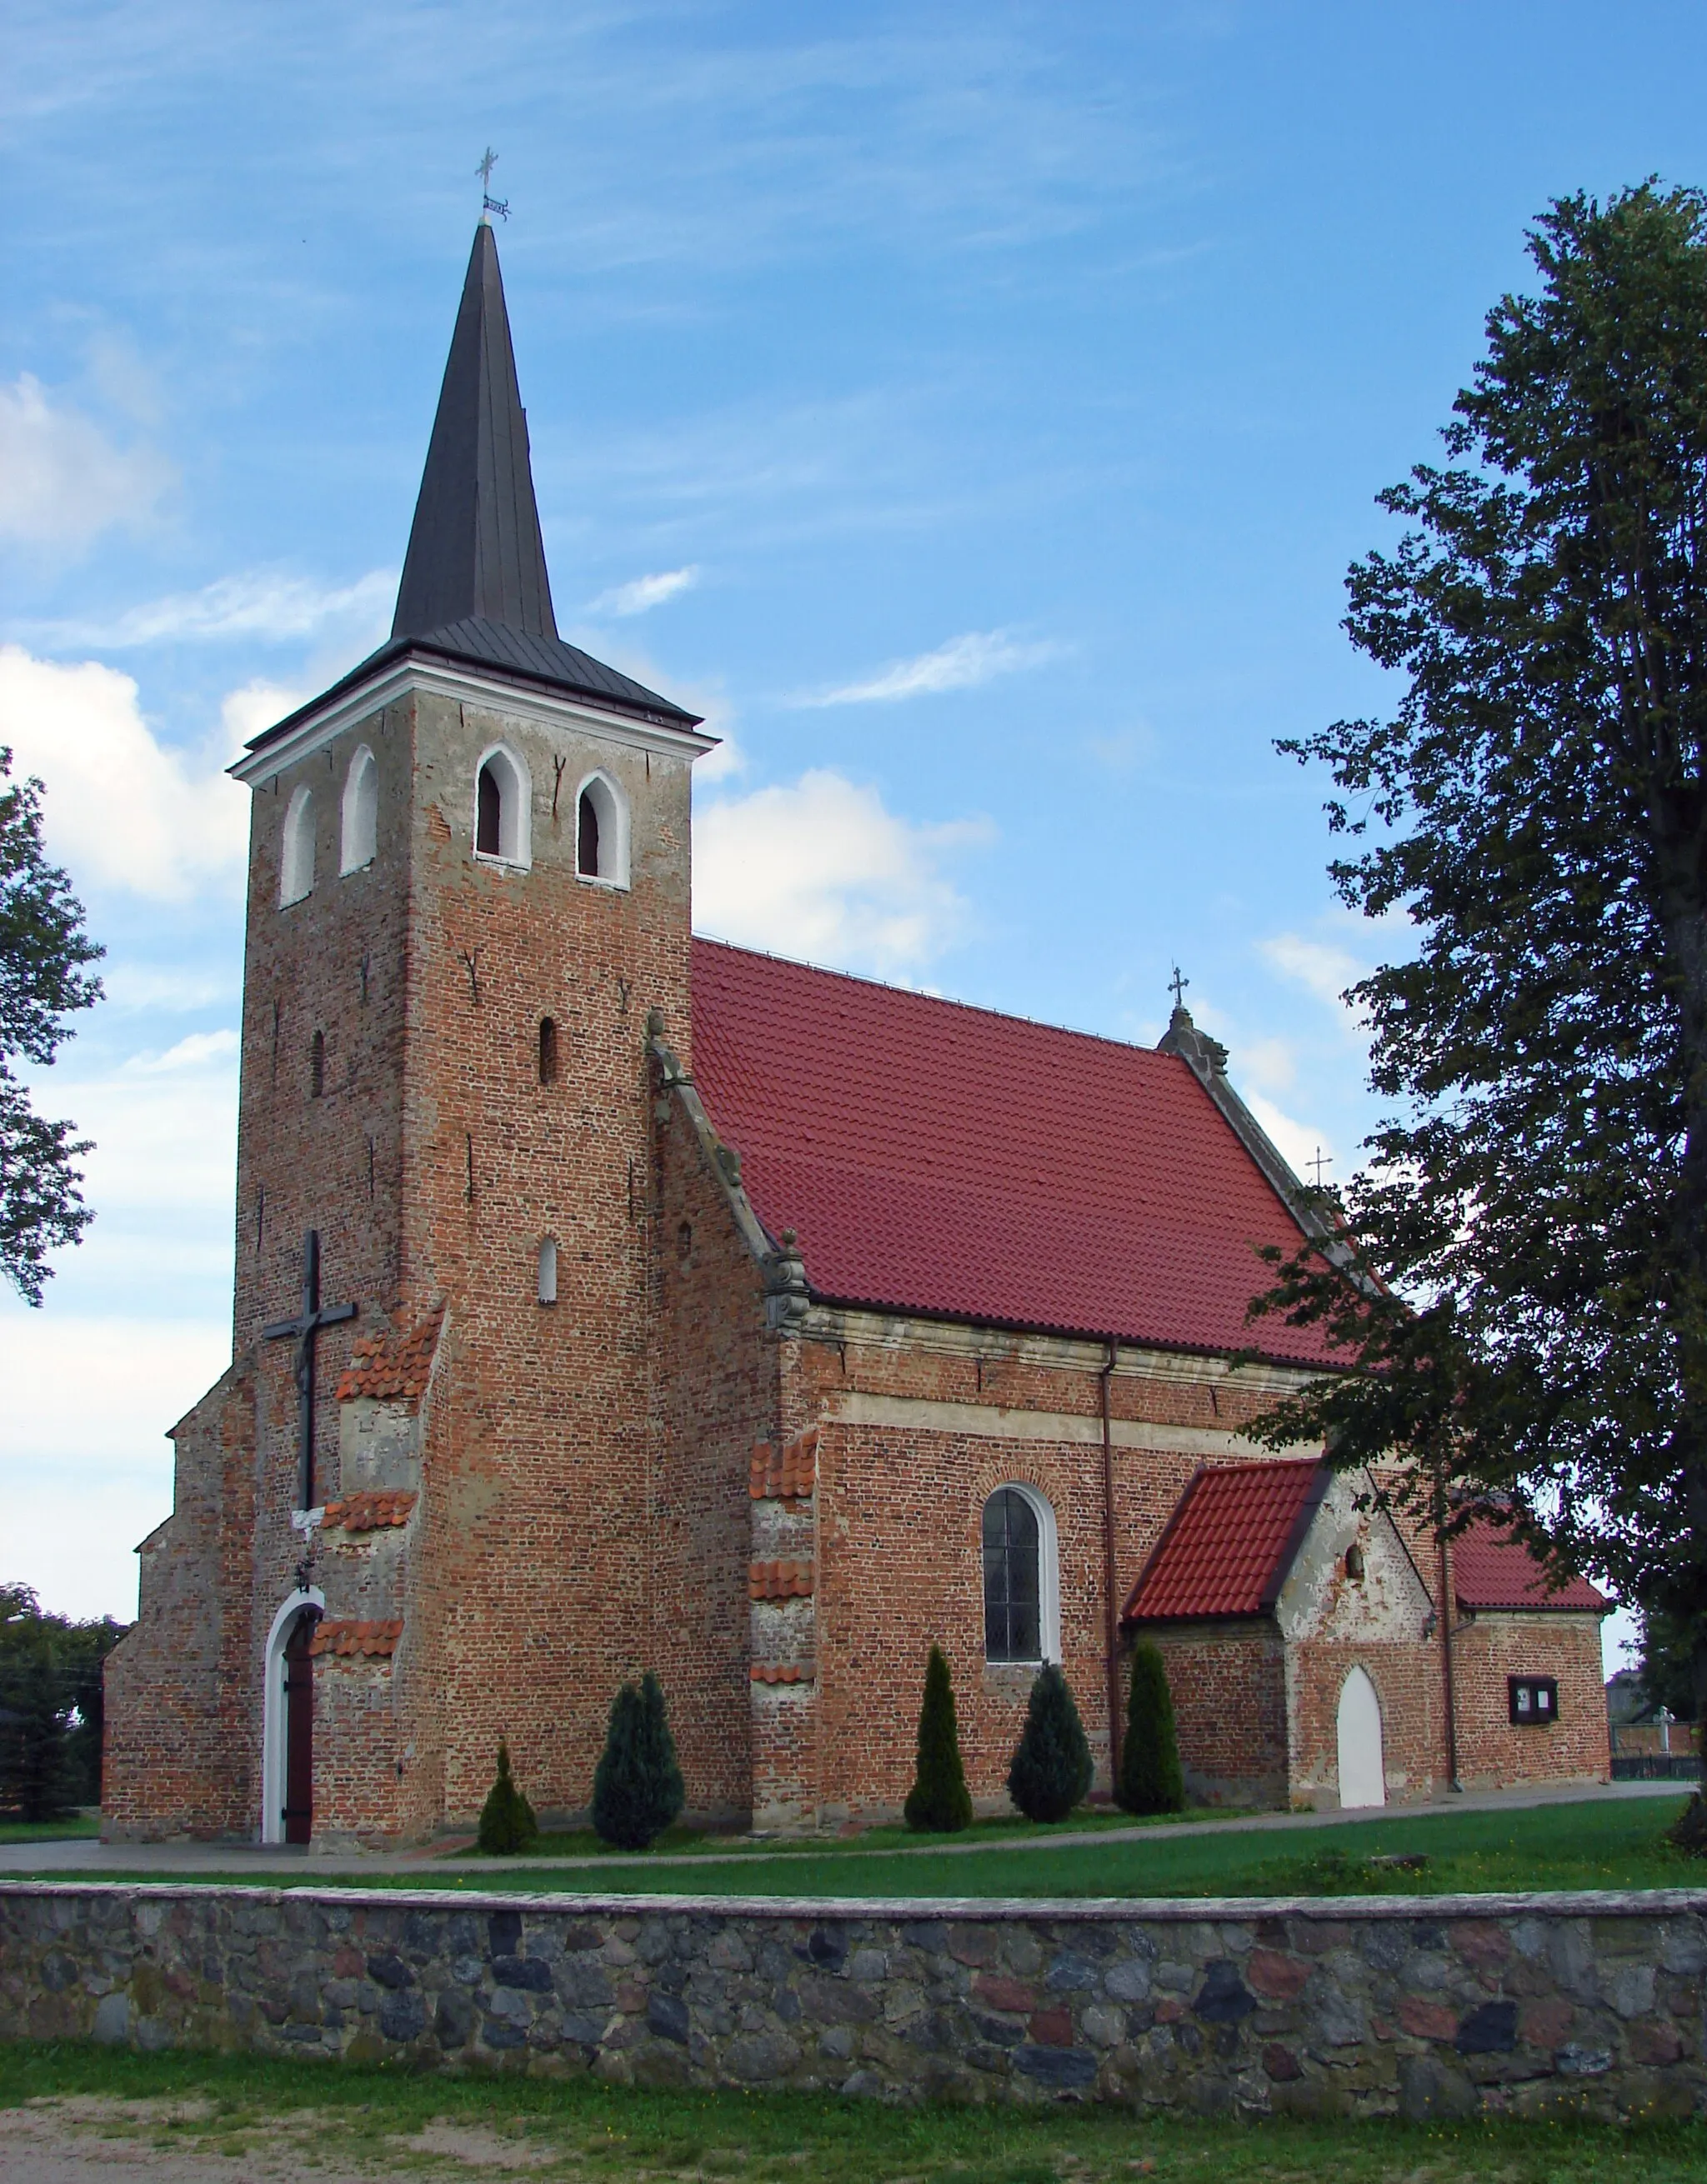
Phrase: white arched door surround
(273, 1709)
(1363, 1766)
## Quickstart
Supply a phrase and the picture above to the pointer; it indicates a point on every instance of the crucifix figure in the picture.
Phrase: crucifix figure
(302, 1331)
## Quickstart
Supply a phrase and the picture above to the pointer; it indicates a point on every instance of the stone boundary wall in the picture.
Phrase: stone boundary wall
(1419, 2006)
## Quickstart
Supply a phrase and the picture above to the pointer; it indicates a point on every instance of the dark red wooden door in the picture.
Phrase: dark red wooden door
(299, 1787)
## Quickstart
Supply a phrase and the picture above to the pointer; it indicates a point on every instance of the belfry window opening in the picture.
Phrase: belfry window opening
(296, 857)
(489, 826)
(502, 808)
(360, 817)
(587, 838)
(601, 832)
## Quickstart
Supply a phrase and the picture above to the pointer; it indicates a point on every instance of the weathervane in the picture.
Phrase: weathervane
(1176, 987)
(488, 203)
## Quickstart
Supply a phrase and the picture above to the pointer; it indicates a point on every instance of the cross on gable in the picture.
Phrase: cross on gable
(1176, 987)
(302, 1330)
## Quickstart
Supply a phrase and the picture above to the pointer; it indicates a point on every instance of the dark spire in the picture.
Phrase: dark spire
(475, 549)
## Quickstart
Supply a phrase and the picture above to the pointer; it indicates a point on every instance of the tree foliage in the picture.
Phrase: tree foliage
(938, 1799)
(1520, 1271)
(51, 1712)
(1051, 1768)
(1150, 1779)
(636, 1788)
(44, 949)
(507, 1820)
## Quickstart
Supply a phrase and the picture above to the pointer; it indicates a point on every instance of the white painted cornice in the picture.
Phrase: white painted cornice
(466, 686)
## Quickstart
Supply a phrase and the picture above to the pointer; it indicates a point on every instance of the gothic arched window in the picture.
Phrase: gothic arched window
(360, 813)
(601, 831)
(296, 859)
(1019, 1578)
(502, 808)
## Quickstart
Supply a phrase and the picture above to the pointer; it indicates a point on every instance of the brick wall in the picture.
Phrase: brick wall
(1490, 1646)
(1229, 1682)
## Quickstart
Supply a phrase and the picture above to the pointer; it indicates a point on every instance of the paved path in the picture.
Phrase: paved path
(249, 1861)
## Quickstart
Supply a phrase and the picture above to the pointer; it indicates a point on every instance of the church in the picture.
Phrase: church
(610, 1299)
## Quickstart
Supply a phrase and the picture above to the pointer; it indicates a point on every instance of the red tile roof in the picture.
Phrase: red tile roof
(396, 1364)
(1491, 1569)
(348, 1637)
(788, 1474)
(1229, 1541)
(369, 1511)
(780, 1580)
(936, 1158)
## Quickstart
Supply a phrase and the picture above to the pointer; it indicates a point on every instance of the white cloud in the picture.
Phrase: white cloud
(1298, 1141)
(123, 811)
(645, 593)
(1326, 971)
(247, 712)
(822, 869)
(961, 663)
(62, 481)
(263, 605)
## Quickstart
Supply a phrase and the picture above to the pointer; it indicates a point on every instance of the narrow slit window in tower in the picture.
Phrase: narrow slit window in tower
(548, 1271)
(316, 1065)
(548, 1049)
(587, 838)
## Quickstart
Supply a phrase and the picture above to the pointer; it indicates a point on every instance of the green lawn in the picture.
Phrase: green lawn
(388, 2123)
(1609, 1844)
(80, 1825)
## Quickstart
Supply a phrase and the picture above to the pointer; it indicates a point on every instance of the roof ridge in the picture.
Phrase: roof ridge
(940, 1001)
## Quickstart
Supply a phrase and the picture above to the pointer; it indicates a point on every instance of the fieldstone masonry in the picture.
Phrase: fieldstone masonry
(1419, 2006)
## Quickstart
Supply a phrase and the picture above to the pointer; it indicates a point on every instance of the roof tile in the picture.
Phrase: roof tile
(348, 1638)
(368, 1512)
(936, 1158)
(780, 1580)
(394, 1366)
(1490, 1568)
(1222, 1550)
(787, 1473)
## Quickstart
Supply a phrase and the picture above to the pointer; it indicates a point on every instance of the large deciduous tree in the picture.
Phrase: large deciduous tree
(1521, 1273)
(44, 950)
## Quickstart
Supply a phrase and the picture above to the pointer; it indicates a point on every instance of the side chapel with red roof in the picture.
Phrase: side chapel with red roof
(610, 1299)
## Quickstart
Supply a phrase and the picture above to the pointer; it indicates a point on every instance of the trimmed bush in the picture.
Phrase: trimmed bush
(507, 1824)
(637, 1791)
(1051, 1768)
(1151, 1779)
(939, 1799)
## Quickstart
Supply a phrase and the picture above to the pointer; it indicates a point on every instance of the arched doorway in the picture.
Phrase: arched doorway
(288, 1717)
(1363, 1771)
(298, 1812)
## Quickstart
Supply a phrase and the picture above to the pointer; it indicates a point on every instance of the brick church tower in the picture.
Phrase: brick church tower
(414, 1514)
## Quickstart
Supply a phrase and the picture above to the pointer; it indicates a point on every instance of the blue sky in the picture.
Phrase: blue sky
(972, 409)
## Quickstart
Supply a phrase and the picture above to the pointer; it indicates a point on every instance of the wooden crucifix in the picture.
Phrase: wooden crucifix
(302, 1331)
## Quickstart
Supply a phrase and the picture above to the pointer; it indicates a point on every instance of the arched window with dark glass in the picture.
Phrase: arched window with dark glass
(587, 837)
(488, 823)
(1013, 1577)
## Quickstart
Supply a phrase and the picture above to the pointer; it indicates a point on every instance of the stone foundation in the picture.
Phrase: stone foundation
(1415, 2006)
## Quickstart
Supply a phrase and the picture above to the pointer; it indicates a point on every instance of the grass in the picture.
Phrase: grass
(1610, 1844)
(1007, 1827)
(78, 1826)
(393, 2123)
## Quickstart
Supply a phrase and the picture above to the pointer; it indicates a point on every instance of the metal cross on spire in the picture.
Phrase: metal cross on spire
(1321, 1160)
(1176, 987)
(488, 203)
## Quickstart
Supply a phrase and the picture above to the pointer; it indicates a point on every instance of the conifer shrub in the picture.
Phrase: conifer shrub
(637, 1791)
(1051, 1768)
(507, 1824)
(939, 1799)
(1150, 1779)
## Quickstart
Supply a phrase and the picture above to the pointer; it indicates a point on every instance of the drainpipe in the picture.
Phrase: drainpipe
(1108, 1574)
(1448, 1610)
